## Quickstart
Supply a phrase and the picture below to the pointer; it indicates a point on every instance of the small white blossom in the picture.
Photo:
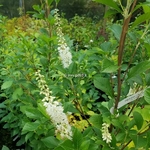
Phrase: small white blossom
(63, 49)
(91, 41)
(106, 136)
(54, 109)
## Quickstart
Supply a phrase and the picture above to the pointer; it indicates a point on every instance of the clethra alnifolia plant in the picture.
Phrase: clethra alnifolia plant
(54, 109)
(63, 49)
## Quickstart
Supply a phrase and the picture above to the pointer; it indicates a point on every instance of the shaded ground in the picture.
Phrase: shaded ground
(5, 139)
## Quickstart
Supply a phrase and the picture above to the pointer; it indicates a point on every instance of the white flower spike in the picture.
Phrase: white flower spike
(54, 109)
(63, 49)
(106, 136)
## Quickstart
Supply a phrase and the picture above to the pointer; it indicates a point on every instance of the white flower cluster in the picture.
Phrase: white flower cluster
(106, 136)
(54, 109)
(63, 49)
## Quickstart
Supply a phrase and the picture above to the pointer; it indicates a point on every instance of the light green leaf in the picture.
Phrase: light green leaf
(141, 19)
(116, 29)
(50, 2)
(120, 137)
(17, 92)
(50, 142)
(138, 69)
(6, 84)
(103, 84)
(109, 3)
(30, 126)
(147, 95)
(31, 112)
(96, 120)
(66, 145)
(108, 66)
(85, 145)
(146, 8)
(110, 12)
(138, 119)
(77, 139)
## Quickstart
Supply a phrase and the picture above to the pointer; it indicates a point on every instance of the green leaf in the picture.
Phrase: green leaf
(109, 3)
(30, 126)
(44, 61)
(138, 119)
(116, 29)
(17, 92)
(108, 66)
(147, 95)
(120, 137)
(85, 144)
(96, 120)
(138, 69)
(5, 147)
(77, 139)
(28, 136)
(103, 84)
(66, 145)
(31, 112)
(146, 8)
(50, 142)
(140, 19)
(6, 84)
(110, 12)
(50, 2)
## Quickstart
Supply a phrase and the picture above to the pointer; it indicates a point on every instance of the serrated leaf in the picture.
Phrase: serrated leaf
(6, 84)
(103, 84)
(138, 119)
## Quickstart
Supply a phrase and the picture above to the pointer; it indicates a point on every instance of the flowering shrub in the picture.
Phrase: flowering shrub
(54, 109)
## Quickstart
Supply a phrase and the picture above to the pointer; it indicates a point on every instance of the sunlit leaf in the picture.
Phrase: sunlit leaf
(96, 120)
(6, 84)
(77, 139)
(138, 69)
(141, 19)
(138, 119)
(108, 66)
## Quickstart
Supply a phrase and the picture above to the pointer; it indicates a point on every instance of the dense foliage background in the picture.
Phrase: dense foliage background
(103, 90)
